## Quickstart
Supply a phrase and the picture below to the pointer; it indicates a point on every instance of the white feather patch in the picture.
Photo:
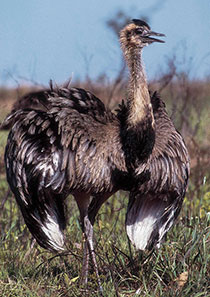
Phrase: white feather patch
(163, 229)
(142, 219)
(53, 233)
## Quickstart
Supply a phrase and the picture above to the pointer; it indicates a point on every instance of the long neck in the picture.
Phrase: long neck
(138, 134)
(139, 105)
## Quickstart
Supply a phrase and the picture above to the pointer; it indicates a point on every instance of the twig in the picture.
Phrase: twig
(59, 255)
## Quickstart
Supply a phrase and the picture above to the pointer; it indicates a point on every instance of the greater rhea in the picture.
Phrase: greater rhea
(71, 144)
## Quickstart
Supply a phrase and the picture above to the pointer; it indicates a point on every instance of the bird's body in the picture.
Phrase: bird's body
(71, 144)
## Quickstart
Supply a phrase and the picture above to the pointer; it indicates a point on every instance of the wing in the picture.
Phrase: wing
(43, 166)
(156, 202)
(53, 152)
(82, 101)
(31, 159)
(74, 126)
(91, 145)
(73, 98)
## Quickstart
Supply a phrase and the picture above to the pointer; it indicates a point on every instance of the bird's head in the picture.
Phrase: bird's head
(138, 34)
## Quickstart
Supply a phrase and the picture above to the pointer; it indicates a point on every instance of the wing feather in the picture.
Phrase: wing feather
(155, 204)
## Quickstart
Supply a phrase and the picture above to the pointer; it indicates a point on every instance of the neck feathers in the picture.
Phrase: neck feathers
(139, 104)
(138, 135)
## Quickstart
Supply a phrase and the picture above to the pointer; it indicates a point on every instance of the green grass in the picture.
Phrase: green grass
(28, 270)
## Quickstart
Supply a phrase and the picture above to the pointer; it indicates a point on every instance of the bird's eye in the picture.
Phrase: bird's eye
(139, 31)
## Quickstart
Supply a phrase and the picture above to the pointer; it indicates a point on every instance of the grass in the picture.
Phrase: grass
(181, 267)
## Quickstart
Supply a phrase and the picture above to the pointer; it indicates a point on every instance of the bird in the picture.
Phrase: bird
(71, 144)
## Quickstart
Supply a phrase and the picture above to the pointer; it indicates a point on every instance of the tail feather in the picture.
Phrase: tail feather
(149, 219)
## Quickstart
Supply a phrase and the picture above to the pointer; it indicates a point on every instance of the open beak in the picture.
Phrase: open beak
(150, 39)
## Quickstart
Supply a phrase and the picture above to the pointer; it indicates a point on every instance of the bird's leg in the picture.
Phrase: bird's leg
(83, 201)
(88, 231)
(85, 262)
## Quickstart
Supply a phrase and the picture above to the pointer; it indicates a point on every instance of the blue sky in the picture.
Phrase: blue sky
(50, 39)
